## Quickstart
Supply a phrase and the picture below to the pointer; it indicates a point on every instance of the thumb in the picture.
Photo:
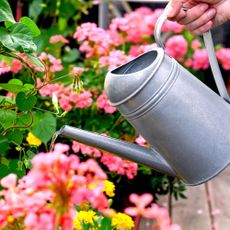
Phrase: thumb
(173, 8)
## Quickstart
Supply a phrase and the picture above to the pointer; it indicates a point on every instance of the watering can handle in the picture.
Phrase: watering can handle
(211, 56)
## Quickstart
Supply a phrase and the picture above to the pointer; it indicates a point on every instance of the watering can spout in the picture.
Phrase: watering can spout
(141, 155)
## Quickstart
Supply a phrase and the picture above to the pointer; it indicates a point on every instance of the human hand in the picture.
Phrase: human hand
(201, 15)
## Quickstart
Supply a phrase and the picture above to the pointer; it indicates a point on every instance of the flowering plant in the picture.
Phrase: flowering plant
(49, 80)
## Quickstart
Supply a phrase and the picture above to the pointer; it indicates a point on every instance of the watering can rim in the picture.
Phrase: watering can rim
(151, 68)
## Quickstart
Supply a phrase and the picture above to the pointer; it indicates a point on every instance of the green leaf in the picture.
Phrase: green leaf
(15, 167)
(19, 38)
(62, 23)
(15, 82)
(4, 171)
(7, 118)
(24, 120)
(13, 88)
(25, 102)
(71, 56)
(5, 12)
(30, 23)
(15, 136)
(36, 61)
(4, 145)
(44, 126)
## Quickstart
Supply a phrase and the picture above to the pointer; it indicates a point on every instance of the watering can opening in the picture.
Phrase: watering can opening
(132, 67)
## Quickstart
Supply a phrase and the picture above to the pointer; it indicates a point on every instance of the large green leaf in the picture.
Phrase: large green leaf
(13, 86)
(7, 118)
(44, 126)
(16, 136)
(25, 102)
(5, 12)
(30, 23)
(24, 119)
(4, 145)
(19, 38)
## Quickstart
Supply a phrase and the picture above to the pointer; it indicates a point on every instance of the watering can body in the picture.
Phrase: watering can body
(179, 116)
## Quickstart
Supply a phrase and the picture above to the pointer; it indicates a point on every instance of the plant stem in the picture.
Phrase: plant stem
(137, 222)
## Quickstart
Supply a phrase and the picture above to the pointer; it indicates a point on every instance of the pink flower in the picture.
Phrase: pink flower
(176, 47)
(85, 149)
(140, 202)
(115, 58)
(9, 181)
(16, 66)
(58, 38)
(78, 70)
(188, 62)
(140, 141)
(200, 59)
(195, 44)
(138, 50)
(223, 55)
(4, 67)
(103, 103)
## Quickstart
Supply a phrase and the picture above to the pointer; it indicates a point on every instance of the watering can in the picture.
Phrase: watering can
(186, 124)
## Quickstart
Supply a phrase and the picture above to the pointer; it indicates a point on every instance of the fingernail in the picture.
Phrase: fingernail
(211, 12)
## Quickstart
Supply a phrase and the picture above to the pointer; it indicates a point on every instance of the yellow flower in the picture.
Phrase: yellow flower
(109, 188)
(33, 140)
(87, 216)
(77, 224)
(122, 221)
(10, 219)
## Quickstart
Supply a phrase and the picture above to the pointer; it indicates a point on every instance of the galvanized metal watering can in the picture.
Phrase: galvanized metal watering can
(185, 122)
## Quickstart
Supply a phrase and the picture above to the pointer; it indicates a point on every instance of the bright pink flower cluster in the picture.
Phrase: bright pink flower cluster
(85, 149)
(223, 55)
(58, 38)
(67, 98)
(144, 207)
(200, 59)
(114, 59)
(96, 41)
(15, 66)
(176, 47)
(46, 197)
(50, 61)
(136, 25)
(138, 50)
(103, 103)
(118, 165)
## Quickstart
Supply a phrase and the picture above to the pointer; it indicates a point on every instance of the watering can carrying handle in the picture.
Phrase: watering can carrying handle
(211, 55)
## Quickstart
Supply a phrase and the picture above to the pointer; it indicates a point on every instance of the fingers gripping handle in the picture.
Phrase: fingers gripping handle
(211, 55)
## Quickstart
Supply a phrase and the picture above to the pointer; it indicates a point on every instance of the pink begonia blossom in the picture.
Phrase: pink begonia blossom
(4, 67)
(85, 149)
(58, 38)
(138, 50)
(195, 44)
(103, 103)
(66, 97)
(78, 70)
(116, 164)
(141, 141)
(51, 189)
(160, 215)
(53, 64)
(16, 66)
(114, 59)
(200, 59)
(176, 47)
(95, 41)
(188, 63)
(223, 55)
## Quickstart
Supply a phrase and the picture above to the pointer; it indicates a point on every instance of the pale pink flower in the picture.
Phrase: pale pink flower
(85, 149)
(103, 103)
(223, 55)
(200, 59)
(176, 47)
(84, 100)
(140, 141)
(138, 50)
(78, 70)
(141, 202)
(188, 63)
(4, 67)
(16, 66)
(9, 181)
(58, 38)
(195, 44)
(170, 26)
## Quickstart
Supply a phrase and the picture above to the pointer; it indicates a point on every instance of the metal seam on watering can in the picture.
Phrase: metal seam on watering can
(158, 96)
